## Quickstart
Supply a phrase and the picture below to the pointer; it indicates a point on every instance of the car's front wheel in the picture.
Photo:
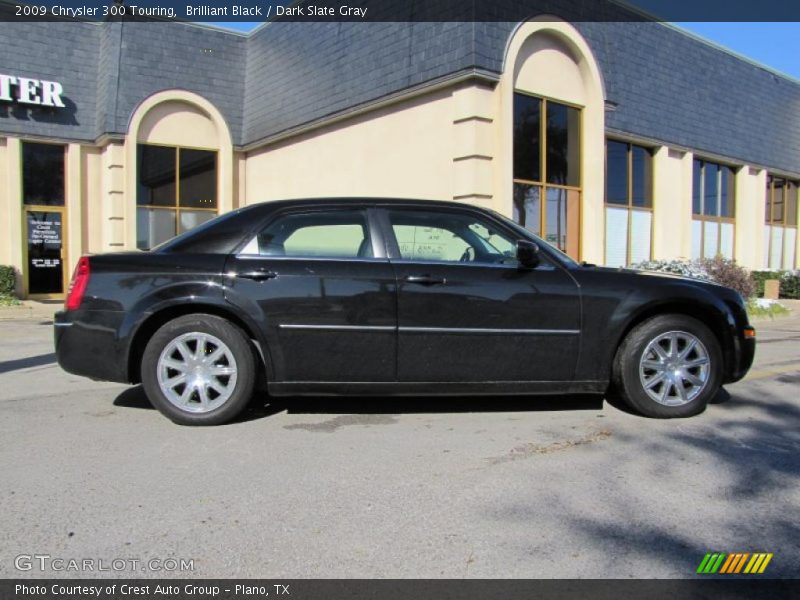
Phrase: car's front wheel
(199, 370)
(668, 366)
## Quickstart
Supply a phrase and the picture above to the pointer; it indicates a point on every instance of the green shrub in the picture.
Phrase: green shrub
(8, 279)
(725, 271)
(789, 282)
(790, 285)
(759, 277)
(8, 300)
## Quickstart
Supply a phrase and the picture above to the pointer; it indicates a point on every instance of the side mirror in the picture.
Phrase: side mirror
(528, 254)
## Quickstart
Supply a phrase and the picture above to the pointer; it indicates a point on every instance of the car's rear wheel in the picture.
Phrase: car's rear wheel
(668, 366)
(199, 370)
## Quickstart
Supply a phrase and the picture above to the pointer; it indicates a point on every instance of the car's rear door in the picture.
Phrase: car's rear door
(467, 312)
(319, 284)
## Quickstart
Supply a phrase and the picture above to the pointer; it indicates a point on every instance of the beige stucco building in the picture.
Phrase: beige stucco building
(543, 137)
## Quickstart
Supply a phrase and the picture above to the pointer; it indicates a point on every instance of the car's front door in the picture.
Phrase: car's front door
(467, 311)
(320, 286)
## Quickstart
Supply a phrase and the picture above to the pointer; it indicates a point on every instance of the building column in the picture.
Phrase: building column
(12, 193)
(117, 234)
(672, 204)
(74, 206)
(5, 220)
(240, 180)
(750, 213)
(473, 154)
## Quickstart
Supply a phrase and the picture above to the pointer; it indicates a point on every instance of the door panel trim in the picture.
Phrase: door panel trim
(343, 259)
(478, 330)
(338, 327)
(445, 330)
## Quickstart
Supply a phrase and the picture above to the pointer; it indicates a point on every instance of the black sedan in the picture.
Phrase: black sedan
(374, 296)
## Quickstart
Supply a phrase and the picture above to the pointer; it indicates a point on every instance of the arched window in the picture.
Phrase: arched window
(179, 159)
(556, 122)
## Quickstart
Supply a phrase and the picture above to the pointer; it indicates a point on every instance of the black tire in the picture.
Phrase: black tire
(240, 348)
(626, 375)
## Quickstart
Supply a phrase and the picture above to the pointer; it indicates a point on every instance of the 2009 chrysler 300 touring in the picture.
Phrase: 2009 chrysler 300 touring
(391, 297)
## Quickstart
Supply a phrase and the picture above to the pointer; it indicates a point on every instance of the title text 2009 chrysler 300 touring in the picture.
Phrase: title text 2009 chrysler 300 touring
(365, 296)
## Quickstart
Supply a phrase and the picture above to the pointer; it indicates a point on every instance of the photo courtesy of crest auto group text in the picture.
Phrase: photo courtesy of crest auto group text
(399, 299)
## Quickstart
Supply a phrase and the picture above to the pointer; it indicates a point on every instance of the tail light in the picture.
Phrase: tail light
(77, 286)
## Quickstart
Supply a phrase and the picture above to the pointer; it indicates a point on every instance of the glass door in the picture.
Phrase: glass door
(44, 244)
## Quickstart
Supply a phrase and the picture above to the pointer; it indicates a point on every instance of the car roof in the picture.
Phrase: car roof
(224, 232)
(358, 201)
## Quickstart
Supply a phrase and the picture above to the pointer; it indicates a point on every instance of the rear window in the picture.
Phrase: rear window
(220, 235)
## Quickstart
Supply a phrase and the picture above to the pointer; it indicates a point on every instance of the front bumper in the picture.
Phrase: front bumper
(86, 344)
(743, 355)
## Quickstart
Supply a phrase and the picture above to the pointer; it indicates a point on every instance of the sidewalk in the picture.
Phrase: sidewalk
(31, 310)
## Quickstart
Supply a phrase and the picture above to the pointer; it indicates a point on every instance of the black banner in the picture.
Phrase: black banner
(404, 589)
(399, 10)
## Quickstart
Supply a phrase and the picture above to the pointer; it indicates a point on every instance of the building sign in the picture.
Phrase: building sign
(45, 271)
(24, 90)
(45, 234)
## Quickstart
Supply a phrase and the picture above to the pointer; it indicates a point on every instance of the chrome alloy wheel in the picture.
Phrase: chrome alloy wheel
(197, 372)
(674, 368)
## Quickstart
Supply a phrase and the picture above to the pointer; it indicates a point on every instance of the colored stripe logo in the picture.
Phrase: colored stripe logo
(735, 563)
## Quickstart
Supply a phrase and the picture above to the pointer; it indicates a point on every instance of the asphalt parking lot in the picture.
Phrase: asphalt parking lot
(532, 487)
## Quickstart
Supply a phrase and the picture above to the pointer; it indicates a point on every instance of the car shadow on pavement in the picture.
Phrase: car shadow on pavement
(263, 406)
(133, 397)
(440, 404)
(26, 363)
(616, 401)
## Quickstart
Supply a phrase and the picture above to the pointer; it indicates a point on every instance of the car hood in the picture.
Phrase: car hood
(639, 274)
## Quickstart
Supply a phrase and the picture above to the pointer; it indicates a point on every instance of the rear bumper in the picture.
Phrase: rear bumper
(86, 344)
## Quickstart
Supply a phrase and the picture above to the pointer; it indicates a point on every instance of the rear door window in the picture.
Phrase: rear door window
(321, 234)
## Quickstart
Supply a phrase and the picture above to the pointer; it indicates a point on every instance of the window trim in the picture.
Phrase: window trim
(543, 184)
(717, 219)
(548, 262)
(771, 202)
(629, 205)
(374, 231)
(177, 208)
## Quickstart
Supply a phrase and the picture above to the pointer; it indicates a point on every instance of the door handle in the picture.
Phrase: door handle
(257, 275)
(425, 280)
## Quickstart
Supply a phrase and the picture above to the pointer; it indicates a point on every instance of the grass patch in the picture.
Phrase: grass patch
(760, 308)
(8, 300)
